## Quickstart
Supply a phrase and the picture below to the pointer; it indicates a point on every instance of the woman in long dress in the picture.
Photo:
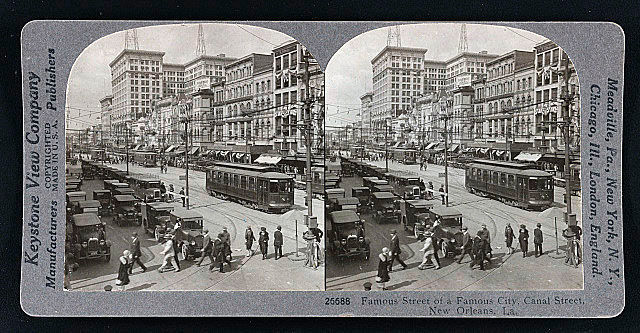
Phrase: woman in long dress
(123, 271)
(508, 237)
(383, 269)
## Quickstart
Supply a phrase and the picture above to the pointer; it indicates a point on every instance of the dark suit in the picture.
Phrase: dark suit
(467, 246)
(136, 254)
(523, 238)
(263, 241)
(537, 241)
(227, 246)
(277, 243)
(394, 247)
(218, 254)
(207, 247)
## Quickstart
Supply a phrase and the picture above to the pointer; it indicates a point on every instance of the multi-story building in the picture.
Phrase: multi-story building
(549, 85)
(479, 100)
(435, 75)
(160, 121)
(398, 76)
(203, 71)
(263, 101)
(218, 106)
(365, 116)
(172, 79)
(462, 125)
(523, 117)
(106, 116)
(239, 99)
(136, 80)
(466, 67)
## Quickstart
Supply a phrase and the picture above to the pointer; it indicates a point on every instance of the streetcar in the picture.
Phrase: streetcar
(405, 155)
(404, 184)
(516, 184)
(252, 185)
(145, 158)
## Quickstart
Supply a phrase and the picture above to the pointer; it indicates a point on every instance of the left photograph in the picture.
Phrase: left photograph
(194, 161)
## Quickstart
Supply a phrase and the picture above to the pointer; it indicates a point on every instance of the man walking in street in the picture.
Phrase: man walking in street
(277, 242)
(136, 253)
(523, 238)
(182, 196)
(227, 245)
(394, 246)
(248, 240)
(537, 239)
(487, 240)
(207, 248)
(479, 253)
(467, 244)
(442, 195)
(263, 241)
(218, 253)
(430, 191)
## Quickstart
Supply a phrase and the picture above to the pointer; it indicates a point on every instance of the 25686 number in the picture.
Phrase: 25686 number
(337, 301)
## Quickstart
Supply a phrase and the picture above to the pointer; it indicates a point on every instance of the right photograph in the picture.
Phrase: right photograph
(453, 161)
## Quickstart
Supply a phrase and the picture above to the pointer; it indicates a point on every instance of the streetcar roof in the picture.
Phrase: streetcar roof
(186, 214)
(276, 175)
(383, 195)
(344, 216)
(516, 171)
(85, 219)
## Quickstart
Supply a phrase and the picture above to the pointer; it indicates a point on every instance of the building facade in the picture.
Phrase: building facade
(203, 71)
(172, 79)
(365, 116)
(106, 115)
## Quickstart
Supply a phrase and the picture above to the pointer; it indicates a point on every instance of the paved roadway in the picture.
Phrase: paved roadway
(287, 273)
(508, 272)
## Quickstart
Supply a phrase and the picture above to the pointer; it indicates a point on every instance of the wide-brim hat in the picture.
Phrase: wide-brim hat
(523, 226)
(263, 228)
(538, 225)
(393, 231)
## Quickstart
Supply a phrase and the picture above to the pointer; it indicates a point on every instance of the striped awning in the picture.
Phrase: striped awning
(528, 157)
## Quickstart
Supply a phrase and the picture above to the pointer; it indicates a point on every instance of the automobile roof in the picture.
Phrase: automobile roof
(76, 193)
(85, 219)
(89, 204)
(334, 190)
(359, 188)
(383, 195)
(344, 216)
(186, 214)
(379, 181)
(160, 205)
(120, 184)
(420, 203)
(383, 187)
(124, 197)
(445, 212)
(348, 201)
(101, 191)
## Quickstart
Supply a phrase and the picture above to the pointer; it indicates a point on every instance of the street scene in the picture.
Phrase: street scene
(454, 159)
(195, 162)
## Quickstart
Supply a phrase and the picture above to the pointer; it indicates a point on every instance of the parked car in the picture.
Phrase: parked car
(88, 237)
(414, 215)
(191, 226)
(384, 207)
(155, 218)
(125, 210)
(346, 235)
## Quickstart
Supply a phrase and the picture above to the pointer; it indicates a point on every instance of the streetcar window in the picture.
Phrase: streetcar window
(485, 175)
(494, 178)
(511, 181)
(273, 188)
(503, 179)
(226, 178)
(533, 184)
(252, 183)
(545, 184)
(473, 173)
(243, 182)
(284, 186)
(236, 181)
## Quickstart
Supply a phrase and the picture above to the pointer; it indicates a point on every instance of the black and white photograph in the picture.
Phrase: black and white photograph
(194, 161)
(455, 150)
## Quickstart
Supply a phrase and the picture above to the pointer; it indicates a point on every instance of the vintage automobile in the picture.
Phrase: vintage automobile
(88, 237)
(104, 197)
(85, 206)
(191, 228)
(108, 184)
(346, 235)
(362, 193)
(447, 228)
(125, 210)
(73, 184)
(382, 188)
(123, 191)
(372, 183)
(155, 218)
(349, 203)
(414, 215)
(74, 197)
(383, 207)
(366, 181)
(331, 195)
(333, 179)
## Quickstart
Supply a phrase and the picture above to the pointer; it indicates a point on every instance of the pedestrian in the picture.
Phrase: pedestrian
(227, 245)
(508, 238)
(479, 253)
(537, 240)
(136, 253)
(430, 191)
(427, 248)
(167, 253)
(318, 233)
(277, 242)
(171, 191)
(177, 239)
(248, 240)
(69, 266)
(523, 238)
(394, 246)
(218, 253)
(207, 248)
(441, 190)
(421, 164)
(263, 241)
(165, 168)
(436, 244)
(383, 269)
(467, 244)
(182, 196)
(163, 191)
(123, 270)
(367, 286)
(487, 240)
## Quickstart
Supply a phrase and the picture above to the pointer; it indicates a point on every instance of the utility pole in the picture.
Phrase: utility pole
(127, 144)
(308, 130)
(386, 146)
(186, 153)
(565, 125)
(446, 148)
(506, 138)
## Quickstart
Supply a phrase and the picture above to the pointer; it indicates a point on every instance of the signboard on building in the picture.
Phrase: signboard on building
(202, 84)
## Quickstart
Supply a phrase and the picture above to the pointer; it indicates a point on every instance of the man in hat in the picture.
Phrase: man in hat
(277, 242)
(486, 237)
(479, 253)
(263, 241)
(249, 238)
(218, 253)
(394, 247)
(523, 239)
(537, 240)
(182, 196)
(136, 253)
(207, 248)
(442, 194)
(367, 286)
(227, 245)
(167, 253)
(467, 244)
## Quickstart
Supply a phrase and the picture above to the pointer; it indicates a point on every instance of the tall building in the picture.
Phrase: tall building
(106, 115)
(398, 75)
(466, 67)
(136, 80)
(435, 75)
(172, 79)
(365, 116)
(263, 100)
(203, 71)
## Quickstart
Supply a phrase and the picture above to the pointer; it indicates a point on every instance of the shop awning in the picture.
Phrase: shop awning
(137, 147)
(179, 152)
(484, 150)
(528, 157)
(268, 159)
(224, 153)
(431, 145)
(454, 148)
(194, 150)
(171, 148)
(499, 152)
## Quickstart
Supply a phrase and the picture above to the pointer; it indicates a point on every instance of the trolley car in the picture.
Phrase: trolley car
(520, 185)
(405, 155)
(145, 158)
(252, 185)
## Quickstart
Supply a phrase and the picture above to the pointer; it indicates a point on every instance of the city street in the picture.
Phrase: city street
(287, 273)
(507, 272)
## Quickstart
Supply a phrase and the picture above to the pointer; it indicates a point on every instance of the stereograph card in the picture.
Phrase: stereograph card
(403, 169)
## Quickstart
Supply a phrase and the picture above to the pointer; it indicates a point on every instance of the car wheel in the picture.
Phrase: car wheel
(185, 251)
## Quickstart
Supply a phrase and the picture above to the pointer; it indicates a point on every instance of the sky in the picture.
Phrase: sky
(90, 76)
(349, 74)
